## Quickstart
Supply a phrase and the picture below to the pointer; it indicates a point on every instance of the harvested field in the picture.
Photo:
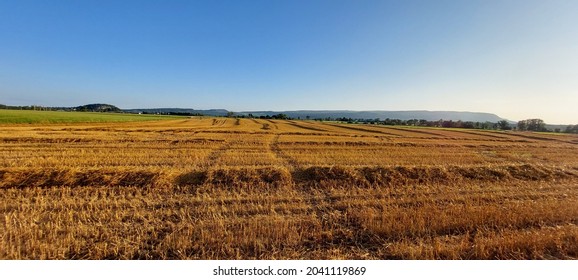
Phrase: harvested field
(224, 188)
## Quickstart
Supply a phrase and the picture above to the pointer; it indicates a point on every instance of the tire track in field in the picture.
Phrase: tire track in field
(341, 230)
(291, 163)
(217, 154)
(535, 137)
(489, 134)
(386, 128)
(274, 124)
(219, 122)
(469, 134)
(295, 124)
(429, 133)
(363, 130)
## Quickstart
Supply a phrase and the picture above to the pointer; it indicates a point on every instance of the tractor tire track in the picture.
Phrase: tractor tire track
(360, 129)
(217, 154)
(295, 124)
(274, 124)
(291, 163)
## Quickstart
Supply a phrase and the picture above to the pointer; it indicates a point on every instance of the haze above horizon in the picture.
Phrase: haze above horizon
(516, 59)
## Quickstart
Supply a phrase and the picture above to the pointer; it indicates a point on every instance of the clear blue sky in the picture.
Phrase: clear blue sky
(518, 59)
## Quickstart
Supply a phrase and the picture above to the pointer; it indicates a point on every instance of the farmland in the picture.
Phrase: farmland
(224, 188)
(47, 117)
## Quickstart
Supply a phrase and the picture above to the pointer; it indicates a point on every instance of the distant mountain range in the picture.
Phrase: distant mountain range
(382, 115)
(300, 114)
(334, 114)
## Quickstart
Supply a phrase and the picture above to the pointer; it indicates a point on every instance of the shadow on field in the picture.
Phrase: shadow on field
(249, 178)
(279, 177)
(54, 177)
(403, 176)
(191, 179)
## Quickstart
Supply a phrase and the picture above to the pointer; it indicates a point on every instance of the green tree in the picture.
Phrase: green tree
(280, 117)
(536, 125)
(572, 129)
(504, 125)
(532, 125)
(522, 125)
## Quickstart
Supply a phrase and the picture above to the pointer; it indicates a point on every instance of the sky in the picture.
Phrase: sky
(517, 59)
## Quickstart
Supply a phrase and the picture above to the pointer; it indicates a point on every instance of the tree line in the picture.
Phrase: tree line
(501, 125)
(537, 125)
(572, 129)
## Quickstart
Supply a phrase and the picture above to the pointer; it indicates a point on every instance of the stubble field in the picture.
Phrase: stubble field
(224, 188)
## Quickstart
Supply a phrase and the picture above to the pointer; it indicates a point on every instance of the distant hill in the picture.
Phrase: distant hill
(97, 108)
(210, 112)
(402, 115)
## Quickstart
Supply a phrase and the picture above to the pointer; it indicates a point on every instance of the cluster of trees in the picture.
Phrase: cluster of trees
(532, 125)
(572, 129)
(267, 117)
